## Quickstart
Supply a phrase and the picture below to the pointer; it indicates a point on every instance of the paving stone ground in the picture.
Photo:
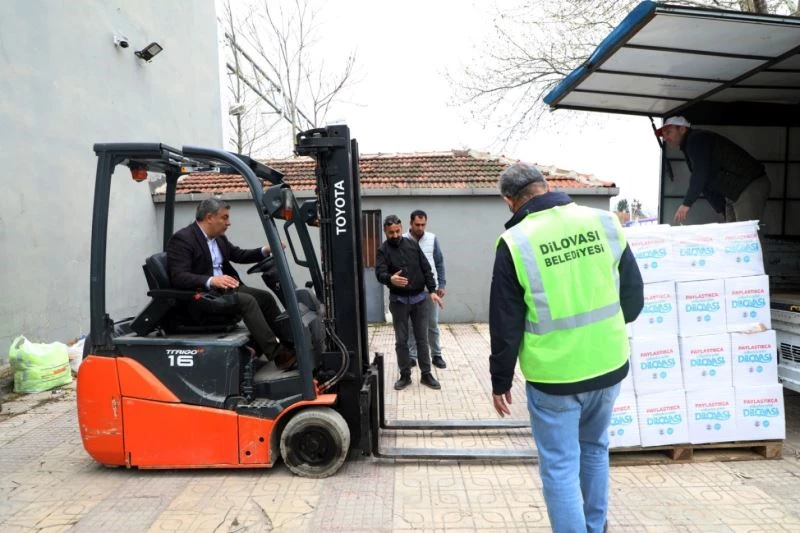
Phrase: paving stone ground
(49, 484)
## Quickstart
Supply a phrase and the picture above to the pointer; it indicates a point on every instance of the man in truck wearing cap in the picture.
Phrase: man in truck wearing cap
(732, 180)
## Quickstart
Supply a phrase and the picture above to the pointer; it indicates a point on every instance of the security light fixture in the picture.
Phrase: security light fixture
(121, 41)
(149, 52)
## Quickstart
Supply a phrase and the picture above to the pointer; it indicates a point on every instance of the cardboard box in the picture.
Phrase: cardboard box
(656, 363)
(623, 431)
(659, 315)
(697, 252)
(701, 307)
(741, 249)
(747, 302)
(627, 384)
(662, 418)
(706, 361)
(652, 248)
(712, 415)
(754, 358)
(760, 413)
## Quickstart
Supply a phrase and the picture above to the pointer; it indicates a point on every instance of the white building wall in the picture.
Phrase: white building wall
(65, 86)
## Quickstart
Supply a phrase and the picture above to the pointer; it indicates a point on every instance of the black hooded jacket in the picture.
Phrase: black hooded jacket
(507, 309)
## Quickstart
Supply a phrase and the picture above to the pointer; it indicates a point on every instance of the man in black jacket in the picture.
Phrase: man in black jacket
(721, 169)
(199, 258)
(402, 266)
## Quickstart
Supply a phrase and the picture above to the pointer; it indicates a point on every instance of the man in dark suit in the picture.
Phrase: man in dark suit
(199, 257)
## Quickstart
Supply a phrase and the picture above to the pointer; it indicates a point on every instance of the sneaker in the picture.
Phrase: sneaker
(403, 382)
(438, 362)
(413, 362)
(428, 380)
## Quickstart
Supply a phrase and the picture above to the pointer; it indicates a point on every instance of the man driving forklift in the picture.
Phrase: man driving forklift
(199, 258)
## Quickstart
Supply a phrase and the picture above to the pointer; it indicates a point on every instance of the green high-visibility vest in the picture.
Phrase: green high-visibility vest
(567, 261)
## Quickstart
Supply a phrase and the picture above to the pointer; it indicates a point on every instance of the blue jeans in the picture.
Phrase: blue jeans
(433, 333)
(571, 435)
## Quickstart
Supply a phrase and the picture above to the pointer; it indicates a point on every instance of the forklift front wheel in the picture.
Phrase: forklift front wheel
(315, 442)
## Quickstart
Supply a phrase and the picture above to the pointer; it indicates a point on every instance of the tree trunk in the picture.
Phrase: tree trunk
(754, 6)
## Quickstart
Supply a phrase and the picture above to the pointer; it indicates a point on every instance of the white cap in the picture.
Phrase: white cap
(673, 121)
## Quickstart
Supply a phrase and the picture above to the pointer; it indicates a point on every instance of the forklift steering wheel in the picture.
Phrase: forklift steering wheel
(262, 266)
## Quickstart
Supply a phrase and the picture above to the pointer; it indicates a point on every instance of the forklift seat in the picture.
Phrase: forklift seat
(172, 309)
(155, 270)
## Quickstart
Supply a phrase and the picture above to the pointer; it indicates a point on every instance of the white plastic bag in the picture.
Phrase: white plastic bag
(75, 352)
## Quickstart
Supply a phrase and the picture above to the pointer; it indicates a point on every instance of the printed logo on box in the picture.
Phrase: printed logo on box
(666, 416)
(649, 252)
(701, 307)
(757, 354)
(713, 417)
(697, 250)
(709, 358)
(713, 411)
(620, 416)
(703, 302)
(745, 301)
(742, 243)
(761, 410)
(657, 304)
(662, 359)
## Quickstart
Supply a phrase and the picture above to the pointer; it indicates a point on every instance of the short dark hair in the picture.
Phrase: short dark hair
(391, 220)
(418, 213)
(209, 206)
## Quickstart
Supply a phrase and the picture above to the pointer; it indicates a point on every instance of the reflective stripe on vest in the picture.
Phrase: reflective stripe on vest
(545, 323)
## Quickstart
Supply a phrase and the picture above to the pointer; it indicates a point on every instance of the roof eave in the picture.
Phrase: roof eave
(160, 198)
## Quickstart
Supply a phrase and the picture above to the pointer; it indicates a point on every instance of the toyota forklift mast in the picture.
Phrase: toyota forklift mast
(338, 208)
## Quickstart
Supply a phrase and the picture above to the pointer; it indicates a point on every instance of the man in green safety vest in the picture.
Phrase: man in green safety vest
(564, 284)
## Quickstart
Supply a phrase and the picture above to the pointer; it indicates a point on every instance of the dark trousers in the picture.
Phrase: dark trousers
(259, 310)
(418, 313)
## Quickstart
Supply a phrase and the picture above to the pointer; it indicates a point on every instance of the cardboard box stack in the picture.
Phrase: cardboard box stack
(703, 356)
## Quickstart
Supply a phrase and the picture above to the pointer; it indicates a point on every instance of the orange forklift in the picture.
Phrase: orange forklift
(178, 387)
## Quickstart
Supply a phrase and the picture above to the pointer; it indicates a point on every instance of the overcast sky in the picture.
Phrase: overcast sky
(403, 102)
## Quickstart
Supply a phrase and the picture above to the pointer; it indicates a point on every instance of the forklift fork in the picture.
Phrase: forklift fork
(378, 422)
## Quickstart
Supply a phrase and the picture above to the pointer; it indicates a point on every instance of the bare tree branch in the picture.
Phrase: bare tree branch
(272, 58)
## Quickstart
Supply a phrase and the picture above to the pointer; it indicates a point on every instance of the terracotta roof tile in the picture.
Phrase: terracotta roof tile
(458, 169)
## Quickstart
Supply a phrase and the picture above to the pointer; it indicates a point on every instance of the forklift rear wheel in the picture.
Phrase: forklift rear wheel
(315, 442)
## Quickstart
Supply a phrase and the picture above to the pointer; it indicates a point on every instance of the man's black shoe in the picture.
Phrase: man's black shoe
(438, 362)
(413, 362)
(403, 382)
(428, 380)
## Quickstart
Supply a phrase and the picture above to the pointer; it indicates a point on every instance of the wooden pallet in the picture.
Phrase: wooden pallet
(697, 453)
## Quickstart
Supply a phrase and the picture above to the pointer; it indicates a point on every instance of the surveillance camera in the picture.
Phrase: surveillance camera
(121, 41)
